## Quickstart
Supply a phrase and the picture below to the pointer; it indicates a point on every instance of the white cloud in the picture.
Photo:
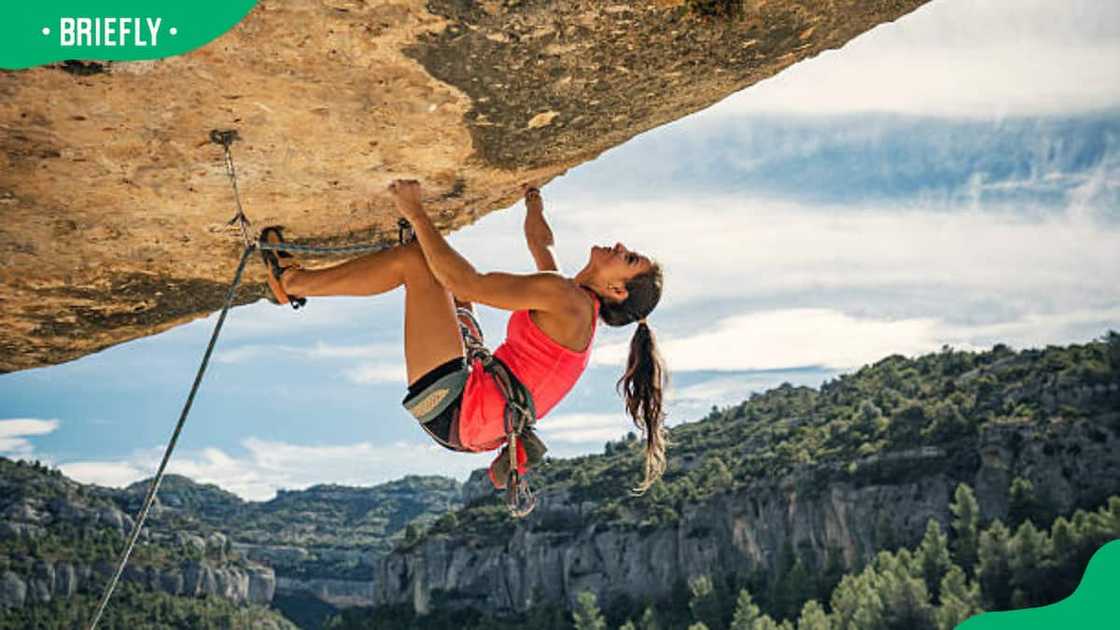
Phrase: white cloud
(790, 338)
(736, 247)
(267, 466)
(319, 350)
(726, 388)
(976, 58)
(580, 428)
(366, 373)
(15, 431)
(114, 474)
(831, 339)
(323, 350)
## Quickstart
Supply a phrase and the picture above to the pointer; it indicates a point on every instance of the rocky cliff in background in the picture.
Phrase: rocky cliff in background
(115, 205)
(829, 475)
(823, 477)
(59, 538)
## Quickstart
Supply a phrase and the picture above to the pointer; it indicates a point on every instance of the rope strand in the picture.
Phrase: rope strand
(154, 486)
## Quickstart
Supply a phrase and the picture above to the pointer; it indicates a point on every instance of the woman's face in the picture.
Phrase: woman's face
(618, 264)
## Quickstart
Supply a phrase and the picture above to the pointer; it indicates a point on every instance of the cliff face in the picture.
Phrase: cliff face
(821, 475)
(52, 580)
(59, 538)
(881, 501)
(115, 205)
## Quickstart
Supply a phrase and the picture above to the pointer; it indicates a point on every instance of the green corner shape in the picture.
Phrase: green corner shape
(1095, 603)
(34, 33)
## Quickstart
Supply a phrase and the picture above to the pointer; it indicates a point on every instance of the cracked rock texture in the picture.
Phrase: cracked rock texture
(114, 203)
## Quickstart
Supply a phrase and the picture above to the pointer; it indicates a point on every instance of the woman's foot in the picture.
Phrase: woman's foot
(281, 267)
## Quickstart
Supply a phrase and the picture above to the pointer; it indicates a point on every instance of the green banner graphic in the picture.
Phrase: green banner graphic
(1095, 603)
(35, 33)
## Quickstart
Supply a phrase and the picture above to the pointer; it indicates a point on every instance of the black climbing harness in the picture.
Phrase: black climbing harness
(518, 415)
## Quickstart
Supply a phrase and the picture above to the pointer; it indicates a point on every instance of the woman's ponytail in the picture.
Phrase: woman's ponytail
(642, 386)
(645, 378)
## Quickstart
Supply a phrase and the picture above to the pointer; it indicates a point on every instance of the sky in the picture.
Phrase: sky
(952, 178)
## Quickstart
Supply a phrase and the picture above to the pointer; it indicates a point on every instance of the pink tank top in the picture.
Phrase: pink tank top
(546, 368)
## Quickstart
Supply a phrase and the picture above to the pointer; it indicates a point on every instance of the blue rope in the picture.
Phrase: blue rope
(309, 249)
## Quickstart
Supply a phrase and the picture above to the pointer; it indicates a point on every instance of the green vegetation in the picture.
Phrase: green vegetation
(846, 430)
(72, 526)
(586, 615)
(868, 427)
(49, 518)
(921, 588)
(853, 429)
(137, 609)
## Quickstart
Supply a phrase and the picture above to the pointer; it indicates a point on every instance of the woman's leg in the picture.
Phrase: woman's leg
(370, 274)
(431, 330)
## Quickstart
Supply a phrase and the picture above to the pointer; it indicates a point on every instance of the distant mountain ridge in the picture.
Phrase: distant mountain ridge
(60, 539)
(833, 474)
(828, 476)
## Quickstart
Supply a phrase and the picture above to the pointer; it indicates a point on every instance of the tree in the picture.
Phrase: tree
(703, 602)
(834, 569)
(905, 599)
(948, 423)
(629, 625)
(698, 626)
(813, 617)
(1029, 561)
(649, 620)
(715, 475)
(765, 622)
(796, 586)
(856, 604)
(746, 612)
(960, 599)
(1064, 544)
(869, 419)
(1024, 503)
(992, 569)
(966, 521)
(932, 557)
(586, 615)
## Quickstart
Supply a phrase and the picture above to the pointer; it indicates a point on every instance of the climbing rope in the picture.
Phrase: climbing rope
(518, 417)
(224, 138)
(154, 485)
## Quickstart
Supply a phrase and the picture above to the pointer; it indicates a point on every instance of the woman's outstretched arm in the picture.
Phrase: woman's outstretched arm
(547, 291)
(538, 234)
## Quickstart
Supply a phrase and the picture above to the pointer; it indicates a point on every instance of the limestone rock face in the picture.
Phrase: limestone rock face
(115, 204)
(340, 593)
(251, 584)
(559, 552)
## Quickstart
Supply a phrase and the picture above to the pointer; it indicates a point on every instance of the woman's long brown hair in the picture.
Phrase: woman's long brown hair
(645, 379)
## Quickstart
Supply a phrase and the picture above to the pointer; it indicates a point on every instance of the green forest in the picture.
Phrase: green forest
(135, 608)
(942, 399)
(948, 577)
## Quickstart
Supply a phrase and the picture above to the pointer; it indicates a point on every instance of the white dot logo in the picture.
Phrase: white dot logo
(174, 31)
(46, 30)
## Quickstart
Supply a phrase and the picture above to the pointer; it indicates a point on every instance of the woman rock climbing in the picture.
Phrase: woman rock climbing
(549, 334)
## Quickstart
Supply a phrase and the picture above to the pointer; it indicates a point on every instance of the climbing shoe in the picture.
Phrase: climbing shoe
(279, 262)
